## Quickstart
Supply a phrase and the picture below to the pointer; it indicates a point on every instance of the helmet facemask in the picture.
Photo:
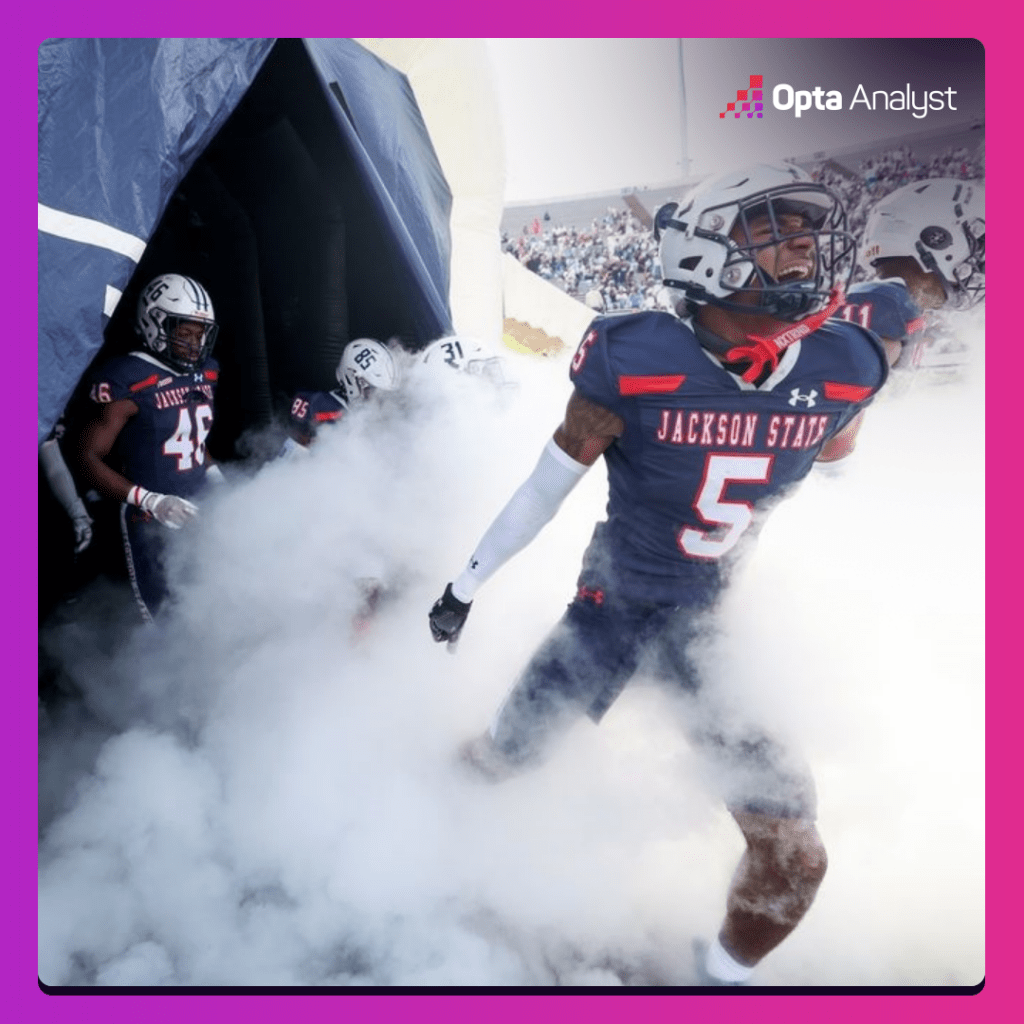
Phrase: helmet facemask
(970, 275)
(714, 258)
(964, 284)
(188, 341)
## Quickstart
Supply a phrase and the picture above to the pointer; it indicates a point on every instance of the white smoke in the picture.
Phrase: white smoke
(253, 793)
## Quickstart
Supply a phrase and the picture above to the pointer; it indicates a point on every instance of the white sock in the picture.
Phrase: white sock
(722, 966)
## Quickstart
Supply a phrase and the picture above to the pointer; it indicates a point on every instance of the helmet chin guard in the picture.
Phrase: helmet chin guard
(703, 264)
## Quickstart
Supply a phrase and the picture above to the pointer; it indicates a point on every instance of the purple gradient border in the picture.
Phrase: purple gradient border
(256, 18)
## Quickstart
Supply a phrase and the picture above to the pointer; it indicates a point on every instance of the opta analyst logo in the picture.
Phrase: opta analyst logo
(918, 103)
(748, 100)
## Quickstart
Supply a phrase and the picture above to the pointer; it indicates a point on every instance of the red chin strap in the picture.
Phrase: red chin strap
(765, 352)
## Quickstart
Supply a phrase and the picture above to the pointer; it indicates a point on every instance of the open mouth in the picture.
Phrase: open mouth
(797, 272)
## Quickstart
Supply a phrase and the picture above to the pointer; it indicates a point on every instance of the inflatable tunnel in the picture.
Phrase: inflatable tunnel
(294, 178)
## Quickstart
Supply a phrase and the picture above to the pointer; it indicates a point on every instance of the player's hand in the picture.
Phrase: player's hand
(168, 509)
(448, 616)
(83, 531)
(292, 449)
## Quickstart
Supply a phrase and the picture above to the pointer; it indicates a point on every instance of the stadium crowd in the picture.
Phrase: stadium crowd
(613, 264)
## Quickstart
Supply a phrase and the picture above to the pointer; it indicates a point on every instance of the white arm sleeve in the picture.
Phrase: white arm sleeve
(59, 478)
(527, 512)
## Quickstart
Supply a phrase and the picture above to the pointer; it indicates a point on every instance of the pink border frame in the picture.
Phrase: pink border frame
(997, 31)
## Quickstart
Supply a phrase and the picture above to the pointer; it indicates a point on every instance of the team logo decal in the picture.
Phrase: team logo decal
(808, 400)
(936, 237)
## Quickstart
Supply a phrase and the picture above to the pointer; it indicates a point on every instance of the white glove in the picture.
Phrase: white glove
(83, 531)
(167, 509)
(63, 486)
(291, 449)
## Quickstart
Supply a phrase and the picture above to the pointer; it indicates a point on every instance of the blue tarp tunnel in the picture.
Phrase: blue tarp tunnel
(294, 178)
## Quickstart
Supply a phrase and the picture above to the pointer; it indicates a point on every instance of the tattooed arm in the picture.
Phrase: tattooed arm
(587, 430)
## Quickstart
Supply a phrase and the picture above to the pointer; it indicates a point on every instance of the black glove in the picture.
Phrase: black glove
(448, 616)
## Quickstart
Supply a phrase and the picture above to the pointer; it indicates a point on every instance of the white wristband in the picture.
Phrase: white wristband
(532, 506)
(137, 495)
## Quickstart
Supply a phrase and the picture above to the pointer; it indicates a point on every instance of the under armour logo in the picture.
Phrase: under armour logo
(474, 564)
(808, 399)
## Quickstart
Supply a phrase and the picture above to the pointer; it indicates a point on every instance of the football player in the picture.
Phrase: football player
(704, 419)
(146, 445)
(925, 246)
(466, 355)
(365, 366)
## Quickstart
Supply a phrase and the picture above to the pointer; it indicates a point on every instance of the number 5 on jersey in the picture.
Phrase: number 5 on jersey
(713, 509)
(188, 441)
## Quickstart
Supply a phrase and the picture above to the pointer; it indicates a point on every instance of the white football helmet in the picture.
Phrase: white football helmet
(466, 355)
(702, 263)
(940, 223)
(176, 321)
(366, 366)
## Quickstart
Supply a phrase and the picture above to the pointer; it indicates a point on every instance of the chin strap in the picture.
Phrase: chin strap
(765, 352)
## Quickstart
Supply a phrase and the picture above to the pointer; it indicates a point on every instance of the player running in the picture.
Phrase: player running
(366, 366)
(705, 420)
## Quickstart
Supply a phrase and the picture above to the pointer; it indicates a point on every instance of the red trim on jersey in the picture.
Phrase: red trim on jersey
(846, 392)
(327, 417)
(147, 383)
(915, 325)
(657, 385)
(210, 374)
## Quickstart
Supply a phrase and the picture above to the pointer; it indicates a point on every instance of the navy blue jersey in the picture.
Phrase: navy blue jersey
(311, 409)
(703, 451)
(163, 446)
(884, 307)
